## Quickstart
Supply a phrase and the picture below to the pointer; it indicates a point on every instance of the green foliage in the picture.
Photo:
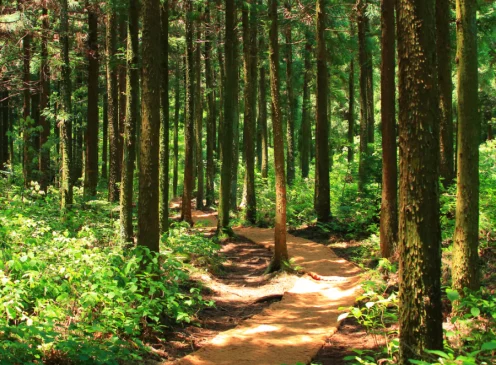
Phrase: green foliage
(70, 289)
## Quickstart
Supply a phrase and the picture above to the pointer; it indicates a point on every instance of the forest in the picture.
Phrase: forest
(207, 182)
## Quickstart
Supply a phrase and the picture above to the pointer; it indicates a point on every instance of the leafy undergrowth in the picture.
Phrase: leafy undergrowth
(72, 293)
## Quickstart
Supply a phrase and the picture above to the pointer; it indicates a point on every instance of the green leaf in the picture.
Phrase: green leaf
(475, 311)
(438, 353)
(488, 346)
(452, 295)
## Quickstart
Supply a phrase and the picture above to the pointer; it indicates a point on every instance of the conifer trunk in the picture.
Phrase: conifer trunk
(105, 134)
(177, 105)
(26, 108)
(306, 128)
(199, 119)
(44, 161)
(351, 112)
(290, 135)
(420, 316)
(465, 270)
(262, 114)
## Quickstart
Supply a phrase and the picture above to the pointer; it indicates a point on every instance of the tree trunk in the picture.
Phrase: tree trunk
(351, 111)
(389, 204)
(164, 128)
(306, 128)
(105, 134)
(211, 117)
(370, 85)
(65, 124)
(466, 243)
(225, 144)
(189, 120)
(112, 109)
(148, 218)
(420, 314)
(44, 161)
(290, 135)
(132, 102)
(280, 247)
(235, 140)
(176, 131)
(322, 189)
(91, 138)
(121, 70)
(262, 113)
(26, 109)
(199, 120)
(4, 122)
(443, 17)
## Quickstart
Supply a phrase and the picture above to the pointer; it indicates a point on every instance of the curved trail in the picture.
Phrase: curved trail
(294, 329)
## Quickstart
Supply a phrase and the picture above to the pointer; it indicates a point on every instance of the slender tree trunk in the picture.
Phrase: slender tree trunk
(65, 124)
(44, 161)
(6, 158)
(176, 131)
(443, 17)
(199, 120)
(280, 248)
(91, 138)
(27, 127)
(306, 128)
(420, 315)
(148, 217)
(262, 116)
(225, 144)
(322, 189)
(222, 79)
(351, 112)
(121, 77)
(132, 102)
(113, 108)
(235, 143)
(189, 120)
(370, 85)
(290, 135)
(389, 203)
(105, 135)
(164, 130)
(211, 117)
(466, 243)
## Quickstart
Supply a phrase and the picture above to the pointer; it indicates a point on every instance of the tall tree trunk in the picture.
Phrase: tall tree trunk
(443, 17)
(306, 128)
(91, 138)
(6, 158)
(121, 77)
(132, 102)
(211, 117)
(26, 108)
(351, 111)
(290, 124)
(164, 128)
(199, 119)
(370, 85)
(389, 204)
(262, 113)
(220, 56)
(235, 143)
(189, 120)
(250, 65)
(105, 134)
(225, 144)
(280, 247)
(322, 189)
(44, 161)
(113, 108)
(148, 218)
(176, 130)
(65, 124)
(466, 243)
(420, 315)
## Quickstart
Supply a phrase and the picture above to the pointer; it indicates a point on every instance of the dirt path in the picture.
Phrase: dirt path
(293, 330)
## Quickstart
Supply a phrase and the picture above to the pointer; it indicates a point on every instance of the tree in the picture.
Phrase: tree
(262, 111)
(322, 188)
(465, 271)
(129, 145)
(26, 132)
(148, 218)
(65, 123)
(189, 120)
(443, 43)
(290, 135)
(44, 161)
(420, 316)
(389, 204)
(177, 105)
(228, 120)
(280, 247)
(198, 129)
(91, 135)
(306, 128)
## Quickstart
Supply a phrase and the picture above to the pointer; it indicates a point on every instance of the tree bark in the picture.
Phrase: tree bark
(351, 112)
(26, 110)
(262, 113)
(322, 188)
(177, 105)
(148, 218)
(389, 203)
(290, 135)
(132, 102)
(91, 136)
(44, 161)
(280, 247)
(420, 316)
(465, 271)
(199, 119)
(306, 128)
(443, 15)
(105, 134)
(235, 140)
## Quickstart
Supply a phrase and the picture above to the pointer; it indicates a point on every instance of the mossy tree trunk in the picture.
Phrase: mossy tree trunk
(322, 188)
(132, 102)
(148, 216)
(389, 201)
(465, 270)
(280, 247)
(420, 315)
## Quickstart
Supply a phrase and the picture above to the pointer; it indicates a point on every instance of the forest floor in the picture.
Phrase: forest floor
(270, 319)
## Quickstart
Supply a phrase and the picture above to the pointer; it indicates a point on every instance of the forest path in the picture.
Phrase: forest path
(293, 330)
